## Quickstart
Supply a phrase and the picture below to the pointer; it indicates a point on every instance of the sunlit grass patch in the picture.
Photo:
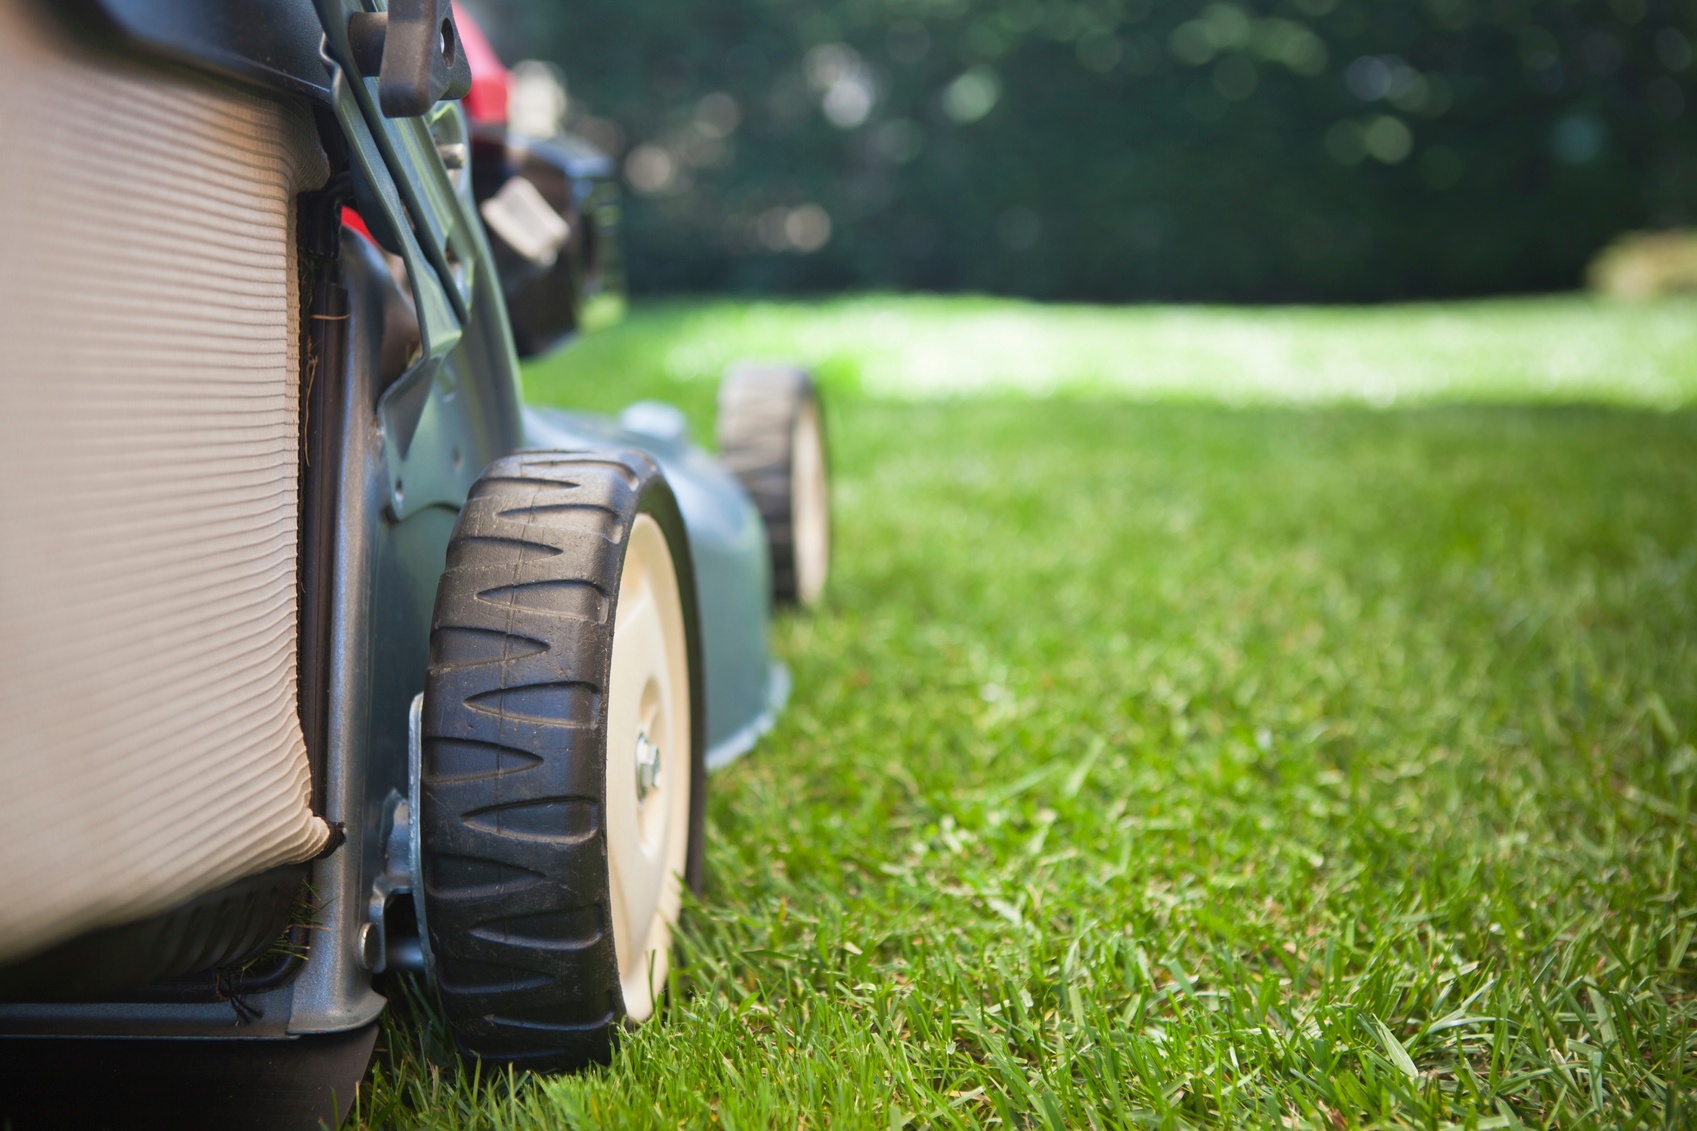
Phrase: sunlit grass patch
(1551, 349)
(1177, 764)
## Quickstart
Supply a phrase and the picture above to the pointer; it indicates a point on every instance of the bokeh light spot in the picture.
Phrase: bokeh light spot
(1673, 49)
(1227, 26)
(717, 115)
(1387, 139)
(807, 228)
(651, 170)
(1190, 43)
(1368, 78)
(973, 95)
(1578, 138)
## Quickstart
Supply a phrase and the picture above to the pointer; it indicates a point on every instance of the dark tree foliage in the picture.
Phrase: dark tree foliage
(1124, 149)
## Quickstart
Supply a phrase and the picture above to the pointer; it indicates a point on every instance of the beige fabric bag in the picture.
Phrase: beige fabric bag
(150, 746)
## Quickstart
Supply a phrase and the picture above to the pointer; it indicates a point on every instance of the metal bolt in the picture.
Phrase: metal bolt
(647, 766)
(370, 947)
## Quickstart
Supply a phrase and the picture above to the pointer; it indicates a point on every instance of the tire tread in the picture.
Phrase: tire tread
(758, 406)
(525, 959)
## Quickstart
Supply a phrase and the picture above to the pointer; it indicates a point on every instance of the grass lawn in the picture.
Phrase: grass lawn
(1206, 744)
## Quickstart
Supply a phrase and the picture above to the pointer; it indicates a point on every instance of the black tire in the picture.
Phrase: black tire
(514, 836)
(763, 411)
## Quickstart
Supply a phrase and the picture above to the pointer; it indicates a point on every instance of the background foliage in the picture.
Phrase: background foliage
(1117, 149)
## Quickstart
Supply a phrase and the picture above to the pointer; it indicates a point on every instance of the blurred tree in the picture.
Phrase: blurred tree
(1119, 149)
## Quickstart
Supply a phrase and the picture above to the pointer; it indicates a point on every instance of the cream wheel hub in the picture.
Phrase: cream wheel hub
(810, 515)
(648, 766)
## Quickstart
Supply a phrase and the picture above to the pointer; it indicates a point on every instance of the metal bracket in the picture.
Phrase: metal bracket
(415, 849)
(395, 879)
(379, 951)
(430, 450)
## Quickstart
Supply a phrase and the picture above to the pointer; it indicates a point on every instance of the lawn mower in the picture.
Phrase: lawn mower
(328, 659)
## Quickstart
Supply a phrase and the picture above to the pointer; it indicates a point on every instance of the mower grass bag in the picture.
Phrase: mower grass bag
(149, 438)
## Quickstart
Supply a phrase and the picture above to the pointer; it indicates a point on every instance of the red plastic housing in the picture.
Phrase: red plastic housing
(486, 105)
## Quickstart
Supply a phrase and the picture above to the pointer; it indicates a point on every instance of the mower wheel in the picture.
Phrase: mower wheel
(772, 436)
(564, 777)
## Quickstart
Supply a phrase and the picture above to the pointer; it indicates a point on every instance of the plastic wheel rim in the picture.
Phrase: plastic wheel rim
(647, 707)
(810, 515)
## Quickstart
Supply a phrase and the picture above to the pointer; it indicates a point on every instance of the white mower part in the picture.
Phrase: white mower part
(519, 214)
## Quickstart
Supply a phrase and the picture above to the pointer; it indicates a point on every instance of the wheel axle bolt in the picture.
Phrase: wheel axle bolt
(647, 766)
